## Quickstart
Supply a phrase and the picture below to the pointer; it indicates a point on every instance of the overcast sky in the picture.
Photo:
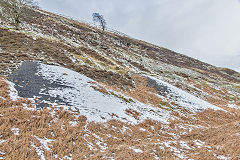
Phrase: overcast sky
(208, 30)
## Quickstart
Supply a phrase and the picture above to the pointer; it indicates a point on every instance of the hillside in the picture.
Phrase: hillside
(71, 91)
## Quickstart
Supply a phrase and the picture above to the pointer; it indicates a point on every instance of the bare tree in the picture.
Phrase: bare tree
(97, 18)
(16, 8)
(15, 11)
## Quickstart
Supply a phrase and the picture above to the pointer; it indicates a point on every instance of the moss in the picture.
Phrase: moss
(86, 60)
(120, 71)
(165, 104)
(113, 68)
(103, 64)
(237, 87)
(164, 108)
(128, 100)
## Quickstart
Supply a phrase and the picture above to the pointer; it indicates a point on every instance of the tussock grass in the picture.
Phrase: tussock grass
(219, 132)
(140, 92)
(219, 97)
(89, 140)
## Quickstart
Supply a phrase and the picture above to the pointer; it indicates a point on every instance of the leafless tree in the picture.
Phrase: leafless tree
(17, 7)
(97, 18)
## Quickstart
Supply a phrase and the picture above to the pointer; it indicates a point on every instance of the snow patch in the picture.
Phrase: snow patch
(13, 93)
(136, 150)
(177, 152)
(16, 131)
(199, 143)
(39, 151)
(1, 154)
(25, 106)
(2, 141)
(234, 106)
(73, 123)
(79, 95)
(44, 143)
(184, 145)
(2, 98)
(67, 157)
(44, 146)
(183, 98)
(100, 142)
(221, 157)
(142, 129)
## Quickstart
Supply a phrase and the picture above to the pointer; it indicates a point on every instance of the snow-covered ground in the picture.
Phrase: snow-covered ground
(183, 98)
(69, 89)
(74, 91)
(80, 95)
(15, 131)
(13, 93)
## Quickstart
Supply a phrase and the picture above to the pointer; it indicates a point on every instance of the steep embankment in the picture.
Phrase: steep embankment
(54, 39)
(71, 91)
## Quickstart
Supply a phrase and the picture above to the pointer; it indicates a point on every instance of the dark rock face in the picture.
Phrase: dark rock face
(161, 89)
(30, 84)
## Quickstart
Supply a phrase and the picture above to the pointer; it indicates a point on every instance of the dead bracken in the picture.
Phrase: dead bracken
(189, 111)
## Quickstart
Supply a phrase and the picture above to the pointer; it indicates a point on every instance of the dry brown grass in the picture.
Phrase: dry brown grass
(143, 93)
(96, 56)
(133, 113)
(220, 130)
(17, 47)
(70, 139)
(140, 92)
(219, 97)
(217, 101)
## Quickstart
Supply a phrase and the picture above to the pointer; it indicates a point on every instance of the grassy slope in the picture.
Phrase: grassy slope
(114, 61)
(199, 136)
(59, 40)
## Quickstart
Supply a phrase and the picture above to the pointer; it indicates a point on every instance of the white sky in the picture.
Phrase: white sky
(208, 30)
